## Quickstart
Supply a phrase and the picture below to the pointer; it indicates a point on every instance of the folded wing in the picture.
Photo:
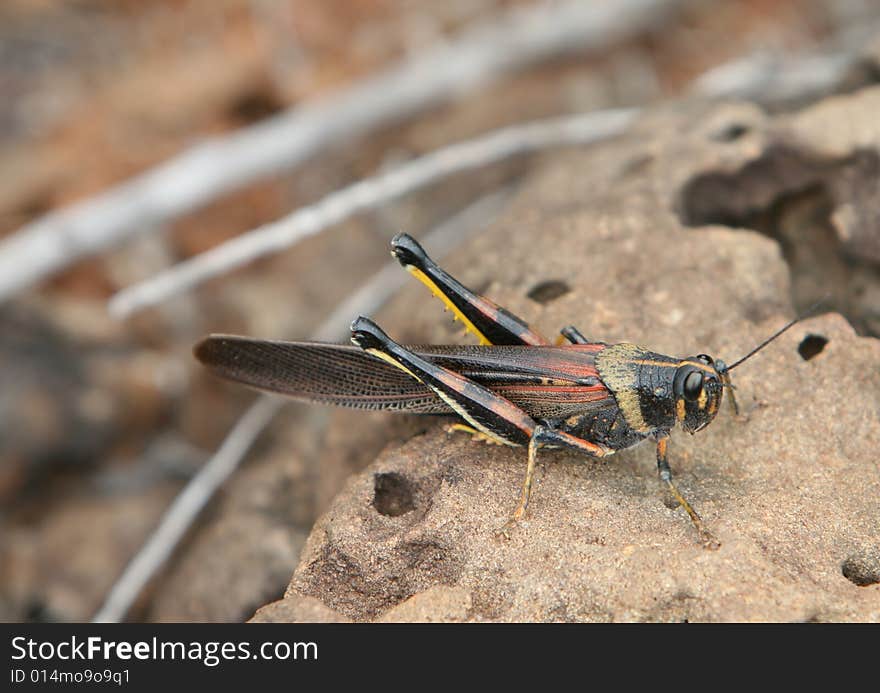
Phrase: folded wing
(315, 372)
(546, 382)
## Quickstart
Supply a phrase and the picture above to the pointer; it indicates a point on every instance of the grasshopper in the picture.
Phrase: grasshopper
(516, 388)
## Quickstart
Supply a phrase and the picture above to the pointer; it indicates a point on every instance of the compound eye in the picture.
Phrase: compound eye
(705, 358)
(693, 386)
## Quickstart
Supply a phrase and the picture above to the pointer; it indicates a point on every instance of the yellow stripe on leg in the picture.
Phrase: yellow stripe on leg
(427, 281)
(388, 359)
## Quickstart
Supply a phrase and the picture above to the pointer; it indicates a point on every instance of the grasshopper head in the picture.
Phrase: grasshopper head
(700, 381)
(698, 386)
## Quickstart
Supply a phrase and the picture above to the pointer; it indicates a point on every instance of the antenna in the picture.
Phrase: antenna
(758, 348)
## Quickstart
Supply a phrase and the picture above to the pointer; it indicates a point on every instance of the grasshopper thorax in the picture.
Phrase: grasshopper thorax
(697, 388)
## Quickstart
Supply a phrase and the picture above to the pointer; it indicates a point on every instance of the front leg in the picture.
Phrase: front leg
(484, 411)
(491, 323)
(706, 537)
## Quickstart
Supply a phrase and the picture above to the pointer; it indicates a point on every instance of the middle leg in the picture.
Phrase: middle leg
(572, 335)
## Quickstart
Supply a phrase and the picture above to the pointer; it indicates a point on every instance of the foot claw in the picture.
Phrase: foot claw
(504, 531)
(708, 540)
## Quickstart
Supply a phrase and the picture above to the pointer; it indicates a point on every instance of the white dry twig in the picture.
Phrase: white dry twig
(478, 56)
(187, 506)
(748, 77)
(773, 79)
(180, 514)
(767, 77)
(366, 194)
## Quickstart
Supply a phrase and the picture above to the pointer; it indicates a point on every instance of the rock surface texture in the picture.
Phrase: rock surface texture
(659, 238)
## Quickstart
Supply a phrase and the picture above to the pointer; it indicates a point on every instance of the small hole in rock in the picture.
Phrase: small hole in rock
(254, 104)
(392, 494)
(550, 290)
(862, 568)
(811, 345)
(38, 612)
(730, 133)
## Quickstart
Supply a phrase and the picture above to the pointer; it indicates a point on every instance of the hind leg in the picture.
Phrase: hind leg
(491, 323)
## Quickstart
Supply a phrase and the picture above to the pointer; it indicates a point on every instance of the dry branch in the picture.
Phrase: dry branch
(366, 194)
(478, 56)
(180, 514)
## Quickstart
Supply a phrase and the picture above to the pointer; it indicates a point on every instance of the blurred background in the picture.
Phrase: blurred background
(104, 416)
